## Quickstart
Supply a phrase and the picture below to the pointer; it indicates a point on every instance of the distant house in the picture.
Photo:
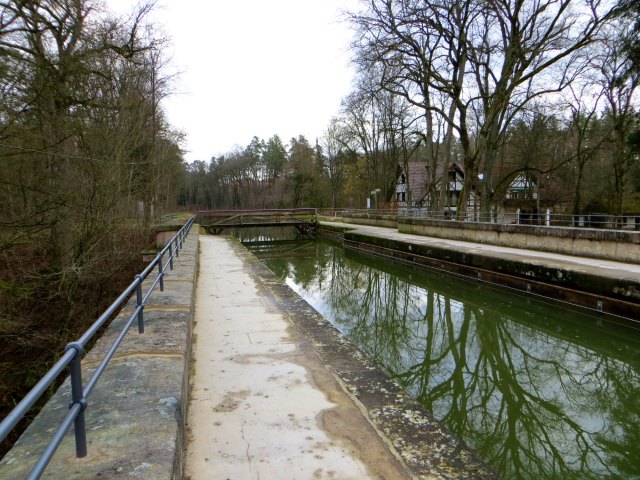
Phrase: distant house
(530, 199)
(522, 187)
(521, 202)
(413, 192)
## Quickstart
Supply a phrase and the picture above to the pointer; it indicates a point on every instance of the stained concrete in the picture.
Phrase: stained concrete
(608, 244)
(616, 245)
(277, 392)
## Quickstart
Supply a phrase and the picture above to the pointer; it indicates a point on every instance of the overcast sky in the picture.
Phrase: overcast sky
(253, 67)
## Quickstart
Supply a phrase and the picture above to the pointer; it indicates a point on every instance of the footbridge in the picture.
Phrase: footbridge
(305, 220)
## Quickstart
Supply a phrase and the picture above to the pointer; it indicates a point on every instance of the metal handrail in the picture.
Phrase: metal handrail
(73, 353)
(259, 212)
(601, 221)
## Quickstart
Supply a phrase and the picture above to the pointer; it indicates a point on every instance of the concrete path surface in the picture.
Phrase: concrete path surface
(263, 405)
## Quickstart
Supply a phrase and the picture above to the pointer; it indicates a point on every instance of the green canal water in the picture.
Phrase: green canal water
(540, 391)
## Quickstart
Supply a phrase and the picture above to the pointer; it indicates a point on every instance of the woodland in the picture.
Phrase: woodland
(87, 160)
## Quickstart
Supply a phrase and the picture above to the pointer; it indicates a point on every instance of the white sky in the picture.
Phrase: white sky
(253, 67)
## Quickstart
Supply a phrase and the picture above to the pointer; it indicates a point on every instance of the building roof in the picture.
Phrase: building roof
(417, 180)
(418, 173)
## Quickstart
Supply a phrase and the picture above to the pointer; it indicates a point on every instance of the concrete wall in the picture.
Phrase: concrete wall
(616, 245)
(164, 233)
(136, 414)
(375, 219)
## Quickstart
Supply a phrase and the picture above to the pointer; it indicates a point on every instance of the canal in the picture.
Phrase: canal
(539, 390)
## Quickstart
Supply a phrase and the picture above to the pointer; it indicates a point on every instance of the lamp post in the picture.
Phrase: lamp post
(375, 197)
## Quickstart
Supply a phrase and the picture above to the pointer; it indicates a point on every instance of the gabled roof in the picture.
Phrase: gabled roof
(417, 179)
(522, 182)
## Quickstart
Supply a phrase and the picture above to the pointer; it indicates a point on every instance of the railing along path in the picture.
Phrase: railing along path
(73, 353)
(551, 219)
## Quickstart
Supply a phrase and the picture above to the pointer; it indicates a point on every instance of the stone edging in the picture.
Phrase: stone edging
(617, 245)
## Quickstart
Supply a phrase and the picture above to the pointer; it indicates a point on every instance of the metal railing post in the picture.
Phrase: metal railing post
(161, 273)
(170, 256)
(139, 305)
(77, 397)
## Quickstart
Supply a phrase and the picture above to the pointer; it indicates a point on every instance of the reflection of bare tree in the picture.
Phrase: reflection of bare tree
(622, 449)
(533, 415)
(368, 311)
(509, 377)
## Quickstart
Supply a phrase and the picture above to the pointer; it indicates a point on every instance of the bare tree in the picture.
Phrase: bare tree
(619, 82)
(476, 64)
(584, 107)
(82, 139)
(334, 150)
(420, 51)
(377, 125)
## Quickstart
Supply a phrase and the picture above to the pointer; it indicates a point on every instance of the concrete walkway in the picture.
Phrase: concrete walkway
(277, 393)
(262, 405)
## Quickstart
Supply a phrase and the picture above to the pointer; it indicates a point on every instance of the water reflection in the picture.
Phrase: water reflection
(538, 390)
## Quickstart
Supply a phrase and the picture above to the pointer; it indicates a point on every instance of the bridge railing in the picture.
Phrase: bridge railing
(270, 212)
(74, 350)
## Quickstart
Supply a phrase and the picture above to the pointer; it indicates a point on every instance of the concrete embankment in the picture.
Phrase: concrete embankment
(135, 417)
(600, 285)
(615, 245)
